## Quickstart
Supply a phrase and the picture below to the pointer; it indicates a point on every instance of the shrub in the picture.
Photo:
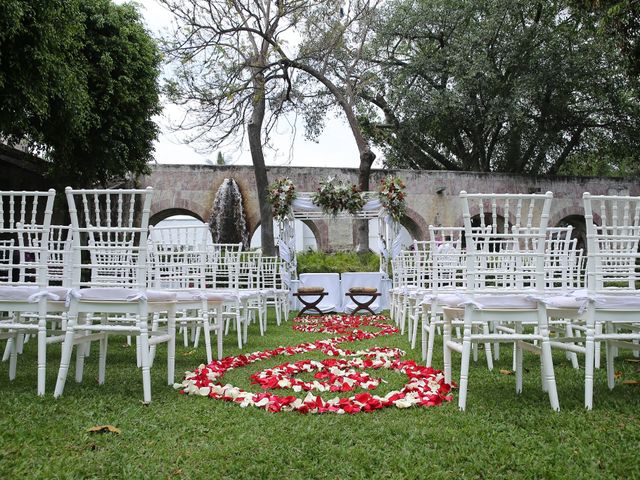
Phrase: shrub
(338, 262)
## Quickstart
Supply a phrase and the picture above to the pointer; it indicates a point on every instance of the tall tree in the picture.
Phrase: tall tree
(332, 54)
(494, 85)
(78, 82)
(228, 79)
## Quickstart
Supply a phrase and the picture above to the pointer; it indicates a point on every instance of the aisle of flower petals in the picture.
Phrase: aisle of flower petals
(425, 386)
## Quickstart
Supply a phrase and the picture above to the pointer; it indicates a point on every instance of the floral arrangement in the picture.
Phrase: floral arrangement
(281, 195)
(425, 386)
(392, 196)
(335, 196)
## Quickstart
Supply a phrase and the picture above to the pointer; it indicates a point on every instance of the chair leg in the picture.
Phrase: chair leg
(42, 346)
(80, 356)
(431, 340)
(517, 352)
(573, 356)
(13, 357)
(446, 351)
(171, 345)
(67, 348)
(102, 359)
(547, 364)
(610, 352)
(219, 329)
(424, 342)
(597, 354)
(589, 362)
(464, 366)
(487, 347)
(143, 339)
(414, 333)
(7, 349)
(206, 325)
(239, 328)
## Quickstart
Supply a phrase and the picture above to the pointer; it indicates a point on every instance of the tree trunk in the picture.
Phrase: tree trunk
(364, 174)
(254, 133)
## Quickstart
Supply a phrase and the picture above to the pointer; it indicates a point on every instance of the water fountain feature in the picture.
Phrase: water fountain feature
(227, 221)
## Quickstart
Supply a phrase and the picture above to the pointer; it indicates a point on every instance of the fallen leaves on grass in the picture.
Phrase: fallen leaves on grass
(506, 372)
(631, 382)
(104, 429)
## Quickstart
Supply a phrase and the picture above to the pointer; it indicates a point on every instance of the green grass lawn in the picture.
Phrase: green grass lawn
(501, 435)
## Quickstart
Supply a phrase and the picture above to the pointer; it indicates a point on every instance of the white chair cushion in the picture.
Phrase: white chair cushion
(580, 299)
(621, 302)
(122, 295)
(453, 300)
(503, 301)
(565, 302)
(243, 294)
(11, 293)
(188, 295)
(484, 301)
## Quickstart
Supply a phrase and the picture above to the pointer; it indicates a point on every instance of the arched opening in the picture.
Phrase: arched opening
(411, 228)
(579, 231)
(169, 213)
(307, 236)
(179, 221)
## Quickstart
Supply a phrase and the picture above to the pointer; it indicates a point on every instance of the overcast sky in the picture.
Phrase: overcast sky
(335, 146)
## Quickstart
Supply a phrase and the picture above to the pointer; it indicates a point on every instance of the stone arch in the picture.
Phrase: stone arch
(415, 224)
(320, 231)
(158, 216)
(571, 211)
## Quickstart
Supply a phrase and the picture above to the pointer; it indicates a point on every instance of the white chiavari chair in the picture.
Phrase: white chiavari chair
(109, 278)
(505, 282)
(613, 278)
(24, 230)
(275, 290)
(177, 263)
(223, 276)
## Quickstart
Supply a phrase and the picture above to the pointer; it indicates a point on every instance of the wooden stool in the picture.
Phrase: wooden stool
(310, 301)
(366, 304)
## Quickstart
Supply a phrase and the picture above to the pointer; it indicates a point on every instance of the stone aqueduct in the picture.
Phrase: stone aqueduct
(432, 195)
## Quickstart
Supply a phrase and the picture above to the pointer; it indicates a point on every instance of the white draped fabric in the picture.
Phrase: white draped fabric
(331, 284)
(361, 279)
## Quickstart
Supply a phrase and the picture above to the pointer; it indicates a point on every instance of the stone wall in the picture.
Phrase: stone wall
(432, 195)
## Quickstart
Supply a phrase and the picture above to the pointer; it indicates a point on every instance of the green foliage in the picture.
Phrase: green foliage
(78, 81)
(338, 262)
(496, 85)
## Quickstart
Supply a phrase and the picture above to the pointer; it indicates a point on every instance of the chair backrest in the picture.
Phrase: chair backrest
(613, 260)
(177, 256)
(448, 258)
(559, 259)
(25, 223)
(505, 241)
(59, 255)
(109, 237)
(271, 270)
(223, 266)
(249, 270)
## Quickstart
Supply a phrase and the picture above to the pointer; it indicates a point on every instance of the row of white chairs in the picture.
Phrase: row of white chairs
(109, 273)
(508, 277)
